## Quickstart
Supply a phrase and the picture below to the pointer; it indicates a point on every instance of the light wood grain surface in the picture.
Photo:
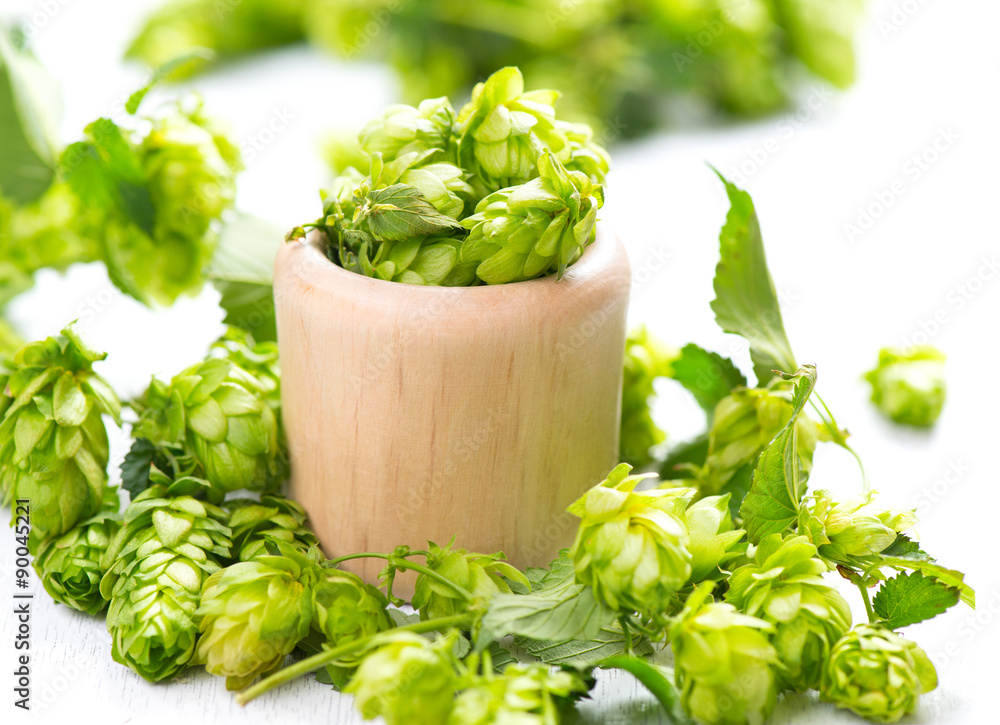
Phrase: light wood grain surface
(419, 414)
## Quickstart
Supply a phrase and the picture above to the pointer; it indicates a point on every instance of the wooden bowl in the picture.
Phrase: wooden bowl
(422, 413)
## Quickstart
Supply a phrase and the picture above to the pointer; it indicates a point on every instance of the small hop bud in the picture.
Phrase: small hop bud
(723, 663)
(632, 546)
(524, 694)
(69, 566)
(406, 679)
(859, 527)
(909, 386)
(783, 585)
(877, 674)
(481, 575)
(345, 608)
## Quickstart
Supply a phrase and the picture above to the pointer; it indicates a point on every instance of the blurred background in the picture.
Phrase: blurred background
(866, 133)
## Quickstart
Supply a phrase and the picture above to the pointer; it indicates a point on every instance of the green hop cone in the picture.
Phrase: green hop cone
(169, 544)
(253, 614)
(481, 575)
(744, 422)
(54, 449)
(646, 359)
(723, 663)
(345, 608)
(784, 586)
(909, 386)
(431, 260)
(69, 566)
(877, 674)
(404, 129)
(218, 413)
(260, 359)
(858, 527)
(441, 184)
(524, 694)
(585, 155)
(632, 546)
(273, 519)
(406, 679)
(541, 226)
(712, 539)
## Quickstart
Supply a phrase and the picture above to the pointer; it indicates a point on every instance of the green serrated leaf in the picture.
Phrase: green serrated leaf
(745, 301)
(500, 657)
(657, 680)
(559, 610)
(135, 467)
(610, 641)
(30, 112)
(911, 598)
(400, 211)
(920, 562)
(779, 481)
(708, 376)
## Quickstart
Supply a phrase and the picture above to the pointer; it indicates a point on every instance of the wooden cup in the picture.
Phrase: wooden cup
(422, 413)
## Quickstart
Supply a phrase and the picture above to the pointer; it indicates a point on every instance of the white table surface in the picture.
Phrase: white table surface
(927, 68)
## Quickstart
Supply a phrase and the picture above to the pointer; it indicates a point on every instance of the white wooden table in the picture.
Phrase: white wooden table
(928, 263)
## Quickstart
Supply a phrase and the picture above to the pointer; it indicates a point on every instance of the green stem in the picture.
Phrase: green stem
(400, 563)
(623, 620)
(868, 604)
(832, 426)
(304, 667)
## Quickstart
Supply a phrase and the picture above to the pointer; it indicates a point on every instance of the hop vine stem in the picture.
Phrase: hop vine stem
(401, 563)
(310, 664)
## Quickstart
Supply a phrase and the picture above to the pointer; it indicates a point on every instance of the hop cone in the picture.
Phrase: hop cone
(784, 586)
(218, 413)
(345, 608)
(524, 694)
(632, 546)
(541, 226)
(441, 183)
(646, 359)
(877, 674)
(406, 679)
(859, 527)
(909, 387)
(712, 540)
(253, 613)
(170, 543)
(723, 663)
(743, 424)
(273, 519)
(404, 129)
(503, 132)
(481, 575)
(69, 566)
(54, 449)
(421, 260)
(260, 359)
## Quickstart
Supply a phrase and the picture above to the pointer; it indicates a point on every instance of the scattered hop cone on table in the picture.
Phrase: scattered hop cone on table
(273, 519)
(744, 422)
(855, 528)
(632, 546)
(482, 575)
(170, 543)
(253, 614)
(69, 566)
(877, 674)
(53, 444)
(909, 386)
(406, 679)
(784, 586)
(541, 226)
(528, 694)
(345, 608)
(723, 663)
(217, 412)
